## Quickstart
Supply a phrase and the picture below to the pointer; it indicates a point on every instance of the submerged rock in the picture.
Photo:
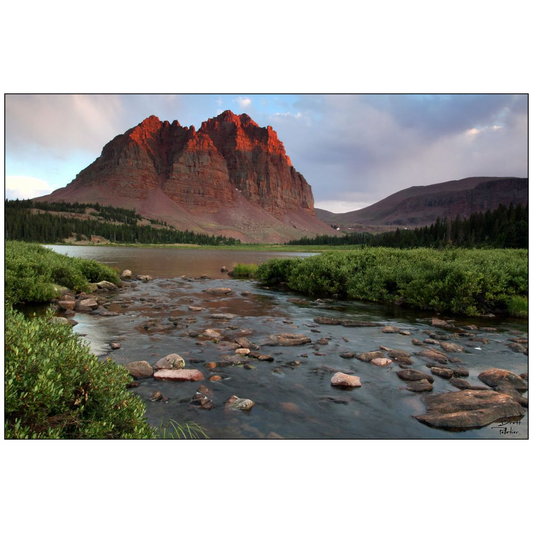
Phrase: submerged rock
(414, 375)
(391, 329)
(287, 339)
(381, 361)
(218, 291)
(421, 385)
(468, 409)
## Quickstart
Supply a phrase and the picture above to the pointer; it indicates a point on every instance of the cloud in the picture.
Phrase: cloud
(244, 102)
(24, 187)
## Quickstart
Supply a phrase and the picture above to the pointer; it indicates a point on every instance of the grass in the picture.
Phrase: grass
(242, 270)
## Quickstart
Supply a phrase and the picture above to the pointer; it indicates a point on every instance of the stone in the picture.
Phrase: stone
(215, 378)
(61, 320)
(322, 342)
(243, 342)
(515, 346)
(67, 304)
(242, 351)
(327, 321)
(219, 291)
(239, 404)
(368, 356)
(433, 355)
(195, 309)
(460, 372)
(145, 278)
(86, 305)
(287, 339)
(170, 361)
(126, 274)
(203, 397)
(405, 332)
(414, 375)
(416, 342)
(157, 396)
(446, 373)
(106, 285)
(451, 347)
(222, 316)
(140, 369)
(438, 323)
(347, 355)
(391, 329)
(265, 357)
(468, 409)
(422, 385)
(114, 345)
(179, 375)
(345, 381)
(211, 333)
(381, 361)
(496, 377)
(347, 323)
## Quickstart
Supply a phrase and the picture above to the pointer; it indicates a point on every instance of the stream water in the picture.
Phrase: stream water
(292, 394)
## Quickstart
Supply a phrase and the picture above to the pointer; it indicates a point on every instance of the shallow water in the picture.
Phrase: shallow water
(293, 395)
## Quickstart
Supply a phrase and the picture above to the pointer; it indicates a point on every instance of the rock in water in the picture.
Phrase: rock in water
(345, 381)
(496, 377)
(287, 339)
(239, 404)
(468, 409)
(179, 375)
(140, 369)
(170, 361)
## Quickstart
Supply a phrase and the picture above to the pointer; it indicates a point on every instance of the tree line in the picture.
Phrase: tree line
(504, 227)
(119, 225)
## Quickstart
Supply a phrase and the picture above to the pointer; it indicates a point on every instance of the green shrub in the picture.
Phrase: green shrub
(469, 282)
(31, 271)
(518, 306)
(242, 270)
(55, 388)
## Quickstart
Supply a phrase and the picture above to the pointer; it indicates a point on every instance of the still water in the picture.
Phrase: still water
(293, 395)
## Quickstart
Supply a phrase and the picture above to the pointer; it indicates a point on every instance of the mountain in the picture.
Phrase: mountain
(231, 178)
(422, 205)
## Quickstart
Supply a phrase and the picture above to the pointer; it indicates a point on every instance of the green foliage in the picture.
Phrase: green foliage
(114, 224)
(55, 388)
(468, 282)
(505, 227)
(32, 270)
(243, 270)
(518, 306)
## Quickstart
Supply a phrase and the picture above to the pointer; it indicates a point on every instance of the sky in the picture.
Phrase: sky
(354, 150)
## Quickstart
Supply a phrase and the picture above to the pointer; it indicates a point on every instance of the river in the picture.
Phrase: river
(292, 394)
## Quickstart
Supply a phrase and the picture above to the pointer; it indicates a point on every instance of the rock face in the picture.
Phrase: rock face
(228, 175)
(468, 409)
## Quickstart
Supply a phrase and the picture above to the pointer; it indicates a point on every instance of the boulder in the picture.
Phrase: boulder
(421, 385)
(438, 323)
(114, 345)
(446, 373)
(195, 308)
(218, 291)
(179, 375)
(496, 377)
(460, 372)
(451, 347)
(433, 355)
(327, 321)
(468, 409)
(414, 375)
(368, 356)
(391, 329)
(67, 304)
(140, 369)
(243, 342)
(106, 285)
(242, 351)
(170, 361)
(211, 333)
(203, 397)
(86, 305)
(381, 361)
(345, 381)
(287, 339)
(347, 355)
(126, 274)
(222, 316)
(239, 404)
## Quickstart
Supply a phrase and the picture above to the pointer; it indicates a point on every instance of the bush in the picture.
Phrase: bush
(468, 282)
(55, 388)
(242, 270)
(32, 270)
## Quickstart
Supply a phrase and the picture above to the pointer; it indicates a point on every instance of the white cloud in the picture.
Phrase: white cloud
(24, 187)
(244, 102)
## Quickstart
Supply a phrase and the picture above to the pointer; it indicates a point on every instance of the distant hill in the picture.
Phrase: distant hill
(422, 205)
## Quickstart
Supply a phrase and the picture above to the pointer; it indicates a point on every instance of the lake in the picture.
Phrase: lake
(292, 394)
